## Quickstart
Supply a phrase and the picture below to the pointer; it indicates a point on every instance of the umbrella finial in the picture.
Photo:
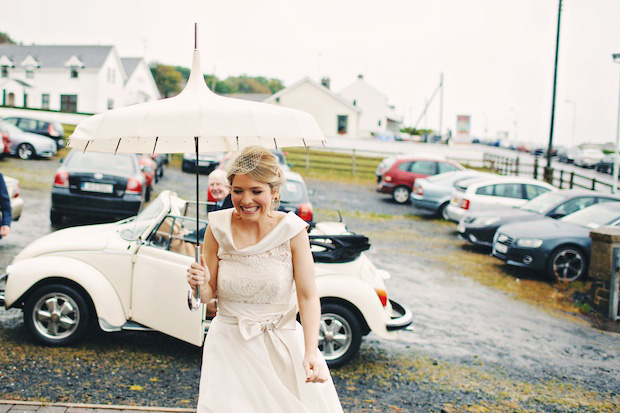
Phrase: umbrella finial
(196, 36)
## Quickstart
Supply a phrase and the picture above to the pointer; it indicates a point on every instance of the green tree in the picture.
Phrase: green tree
(6, 39)
(167, 79)
(419, 132)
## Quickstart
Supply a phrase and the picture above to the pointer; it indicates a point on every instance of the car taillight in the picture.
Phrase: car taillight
(387, 178)
(419, 190)
(51, 131)
(62, 179)
(465, 203)
(134, 186)
(16, 192)
(305, 212)
(8, 144)
(382, 296)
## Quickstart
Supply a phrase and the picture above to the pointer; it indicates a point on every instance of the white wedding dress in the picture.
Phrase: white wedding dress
(252, 360)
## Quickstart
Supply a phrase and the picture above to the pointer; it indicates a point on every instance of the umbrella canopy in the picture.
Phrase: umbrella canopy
(172, 125)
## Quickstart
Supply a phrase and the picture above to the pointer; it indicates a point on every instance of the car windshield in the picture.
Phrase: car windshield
(543, 203)
(594, 216)
(143, 220)
(101, 162)
(293, 191)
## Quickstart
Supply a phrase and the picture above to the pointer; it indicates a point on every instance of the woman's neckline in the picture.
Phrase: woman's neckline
(232, 239)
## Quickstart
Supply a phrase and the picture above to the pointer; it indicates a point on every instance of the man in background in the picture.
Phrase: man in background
(5, 209)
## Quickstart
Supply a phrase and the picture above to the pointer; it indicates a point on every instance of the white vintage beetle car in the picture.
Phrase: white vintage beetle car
(130, 275)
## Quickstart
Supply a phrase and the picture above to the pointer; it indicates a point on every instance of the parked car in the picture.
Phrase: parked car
(161, 160)
(148, 167)
(97, 184)
(294, 197)
(560, 248)
(568, 155)
(479, 194)
(434, 192)
(207, 161)
(587, 158)
(479, 228)
(399, 177)
(49, 128)
(130, 275)
(606, 165)
(17, 202)
(28, 145)
(7, 145)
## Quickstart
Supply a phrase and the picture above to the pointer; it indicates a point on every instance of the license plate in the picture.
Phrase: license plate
(460, 228)
(96, 187)
(501, 248)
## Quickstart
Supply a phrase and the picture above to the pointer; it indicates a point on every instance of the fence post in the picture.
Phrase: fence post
(572, 179)
(307, 158)
(593, 184)
(535, 168)
(614, 286)
(353, 162)
(517, 167)
(561, 178)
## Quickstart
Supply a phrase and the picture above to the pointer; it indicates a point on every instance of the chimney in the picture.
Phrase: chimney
(360, 76)
(325, 82)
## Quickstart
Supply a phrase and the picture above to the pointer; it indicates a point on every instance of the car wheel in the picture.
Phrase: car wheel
(56, 218)
(567, 264)
(26, 151)
(401, 194)
(147, 195)
(443, 211)
(56, 315)
(340, 334)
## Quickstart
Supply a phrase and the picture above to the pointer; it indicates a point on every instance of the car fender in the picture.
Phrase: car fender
(361, 295)
(24, 274)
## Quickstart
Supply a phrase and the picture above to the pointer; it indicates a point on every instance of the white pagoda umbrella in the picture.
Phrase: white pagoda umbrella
(195, 120)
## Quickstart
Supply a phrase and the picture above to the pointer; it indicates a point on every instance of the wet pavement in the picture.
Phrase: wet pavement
(11, 406)
(457, 320)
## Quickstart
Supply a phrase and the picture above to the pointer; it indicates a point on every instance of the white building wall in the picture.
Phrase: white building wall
(141, 86)
(323, 107)
(373, 105)
(110, 84)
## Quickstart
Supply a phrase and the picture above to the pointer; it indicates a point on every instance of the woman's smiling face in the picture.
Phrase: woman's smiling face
(252, 199)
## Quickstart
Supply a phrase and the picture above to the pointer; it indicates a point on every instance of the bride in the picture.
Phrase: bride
(257, 357)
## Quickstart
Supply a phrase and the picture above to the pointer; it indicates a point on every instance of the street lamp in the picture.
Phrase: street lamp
(616, 57)
(574, 117)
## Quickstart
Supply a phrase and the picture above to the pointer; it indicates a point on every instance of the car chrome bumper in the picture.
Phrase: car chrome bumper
(3, 278)
(402, 317)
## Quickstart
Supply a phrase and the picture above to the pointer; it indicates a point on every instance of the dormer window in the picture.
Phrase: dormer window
(30, 72)
(5, 63)
(5, 71)
(74, 64)
(29, 64)
(74, 72)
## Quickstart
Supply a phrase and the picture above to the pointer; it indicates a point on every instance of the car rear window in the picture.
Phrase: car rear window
(424, 167)
(446, 167)
(293, 191)
(101, 162)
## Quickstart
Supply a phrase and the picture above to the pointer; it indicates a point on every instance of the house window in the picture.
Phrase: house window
(354, 102)
(68, 103)
(74, 72)
(45, 101)
(110, 103)
(25, 100)
(30, 72)
(343, 124)
(5, 71)
(379, 123)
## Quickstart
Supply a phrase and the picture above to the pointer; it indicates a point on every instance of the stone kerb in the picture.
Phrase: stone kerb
(604, 240)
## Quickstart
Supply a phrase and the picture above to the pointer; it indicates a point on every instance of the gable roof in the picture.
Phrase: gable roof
(319, 86)
(92, 57)
(130, 64)
(365, 84)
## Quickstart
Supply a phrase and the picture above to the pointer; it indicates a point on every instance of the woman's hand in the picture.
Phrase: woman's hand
(315, 370)
(197, 274)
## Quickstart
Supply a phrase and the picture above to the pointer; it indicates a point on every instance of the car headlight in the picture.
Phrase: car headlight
(483, 222)
(529, 242)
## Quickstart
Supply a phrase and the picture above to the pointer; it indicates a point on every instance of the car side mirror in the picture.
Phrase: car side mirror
(557, 215)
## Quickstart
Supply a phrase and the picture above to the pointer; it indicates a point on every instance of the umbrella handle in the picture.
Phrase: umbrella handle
(194, 302)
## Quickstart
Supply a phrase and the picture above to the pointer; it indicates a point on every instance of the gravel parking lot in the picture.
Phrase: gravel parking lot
(472, 348)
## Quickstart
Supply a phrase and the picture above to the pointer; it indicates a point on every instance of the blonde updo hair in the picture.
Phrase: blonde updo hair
(261, 165)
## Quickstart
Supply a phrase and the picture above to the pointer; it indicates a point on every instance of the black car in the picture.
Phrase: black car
(559, 247)
(294, 197)
(606, 165)
(568, 155)
(97, 184)
(481, 227)
(52, 129)
(207, 162)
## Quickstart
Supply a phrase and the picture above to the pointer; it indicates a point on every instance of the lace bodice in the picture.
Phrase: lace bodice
(263, 278)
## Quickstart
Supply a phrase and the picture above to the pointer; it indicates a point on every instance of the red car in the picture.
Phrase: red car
(400, 172)
(148, 167)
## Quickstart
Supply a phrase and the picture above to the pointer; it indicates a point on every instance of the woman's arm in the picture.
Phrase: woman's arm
(196, 273)
(309, 305)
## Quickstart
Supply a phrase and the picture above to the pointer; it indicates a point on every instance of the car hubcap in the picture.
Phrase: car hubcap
(25, 152)
(568, 265)
(56, 316)
(401, 195)
(335, 336)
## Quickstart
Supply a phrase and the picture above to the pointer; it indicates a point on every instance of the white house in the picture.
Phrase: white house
(85, 79)
(140, 86)
(377, 115)
(334, 115)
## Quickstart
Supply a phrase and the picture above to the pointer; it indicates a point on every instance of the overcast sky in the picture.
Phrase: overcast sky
(496, 55)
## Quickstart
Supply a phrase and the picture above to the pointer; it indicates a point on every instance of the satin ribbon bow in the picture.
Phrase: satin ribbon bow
(251, 328)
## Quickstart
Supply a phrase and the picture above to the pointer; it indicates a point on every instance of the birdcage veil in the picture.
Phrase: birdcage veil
(246, 160)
